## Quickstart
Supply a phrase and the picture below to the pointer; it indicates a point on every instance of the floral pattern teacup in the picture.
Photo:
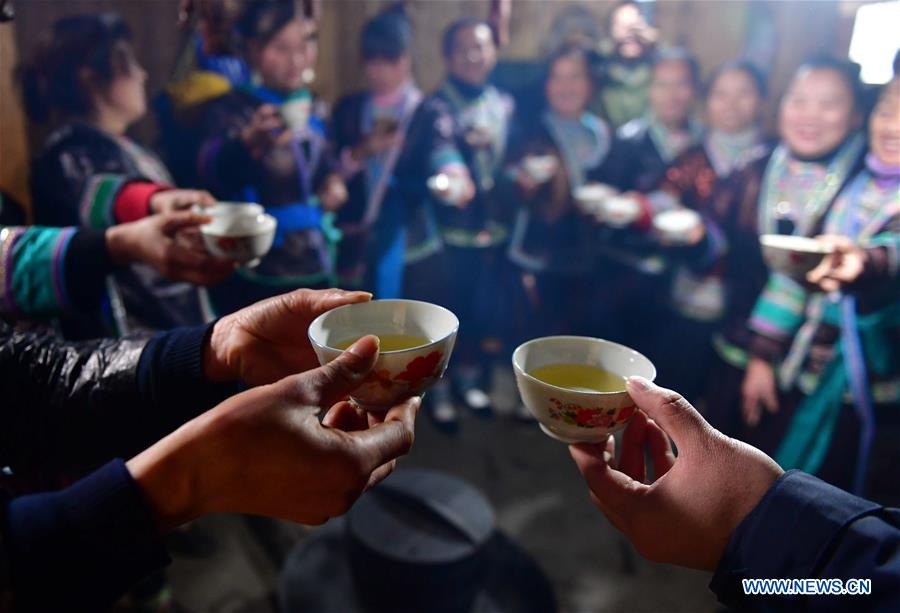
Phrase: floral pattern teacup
(397, 374)
(576, 416)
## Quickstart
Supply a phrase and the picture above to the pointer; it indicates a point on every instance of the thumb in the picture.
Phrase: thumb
(668, 409)
(331, 383)
(173, 222)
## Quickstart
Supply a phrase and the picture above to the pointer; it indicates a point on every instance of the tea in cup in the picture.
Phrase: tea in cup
(575, 385)
(416, 340)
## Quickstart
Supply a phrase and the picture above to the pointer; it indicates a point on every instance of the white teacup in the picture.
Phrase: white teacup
(296, 112)
(676, 226)
(793, 255)
(590, 197)
(540, 168)
(397, 374)
(239, 232)
(620, 211)
(223, 210)
(578, 416)
(447, 188)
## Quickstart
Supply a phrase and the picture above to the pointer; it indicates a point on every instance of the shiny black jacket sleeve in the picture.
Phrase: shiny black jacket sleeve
(80, 404)
(81, 547)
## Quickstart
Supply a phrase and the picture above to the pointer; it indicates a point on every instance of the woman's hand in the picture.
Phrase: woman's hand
(333, 194)
(263, 130)
(841, 267)
(759, 391)
(157, 240)
(171, 200)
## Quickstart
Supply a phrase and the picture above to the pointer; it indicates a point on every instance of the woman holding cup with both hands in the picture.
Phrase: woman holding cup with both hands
(266, 143)
(556, 154)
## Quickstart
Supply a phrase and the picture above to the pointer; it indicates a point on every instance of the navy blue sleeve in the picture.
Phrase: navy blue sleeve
(81, 548)
(804, 528)
(170, 375)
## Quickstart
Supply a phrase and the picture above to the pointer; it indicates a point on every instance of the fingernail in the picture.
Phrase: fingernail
(639, 384)
(365, 346)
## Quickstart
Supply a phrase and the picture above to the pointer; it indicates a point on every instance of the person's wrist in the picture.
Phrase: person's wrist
(120, 244)
(167, 475)
(217, 366)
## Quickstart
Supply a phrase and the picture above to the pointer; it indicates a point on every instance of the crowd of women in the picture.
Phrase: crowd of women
(403, 193)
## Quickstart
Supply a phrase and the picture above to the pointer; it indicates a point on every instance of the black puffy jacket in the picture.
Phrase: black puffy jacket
(61, 404)
(67, 407)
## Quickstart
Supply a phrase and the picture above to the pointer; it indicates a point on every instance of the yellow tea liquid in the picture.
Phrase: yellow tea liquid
(579, 377)
(390, 342)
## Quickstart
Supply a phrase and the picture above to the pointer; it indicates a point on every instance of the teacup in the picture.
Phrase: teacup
(295, 111)
(540, 168)
(447, 188)
(793, 255)
(239, 232)
(676, 226)
(619, 211)
(572, 415)
(590, 197)
(397, 374)
(224, 210)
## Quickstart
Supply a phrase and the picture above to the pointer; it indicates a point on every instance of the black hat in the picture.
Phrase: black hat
(420, 541)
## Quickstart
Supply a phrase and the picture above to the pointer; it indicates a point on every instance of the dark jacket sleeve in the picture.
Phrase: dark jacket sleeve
(79, 404)
(804, 528)
(78, 549)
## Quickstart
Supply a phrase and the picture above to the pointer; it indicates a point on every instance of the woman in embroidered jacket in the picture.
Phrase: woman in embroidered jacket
(85, 80)
(473, 228)
(266, 143)
(550, 243)
(388, 142)
(716, 278)
(824, 363)
(631, 277)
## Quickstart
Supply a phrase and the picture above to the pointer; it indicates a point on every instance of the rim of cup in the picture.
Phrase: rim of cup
(520, 370)
(265, 224)
(799, 244)
(326, 314)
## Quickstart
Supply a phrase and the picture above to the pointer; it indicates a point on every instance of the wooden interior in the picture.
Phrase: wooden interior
(714, 31)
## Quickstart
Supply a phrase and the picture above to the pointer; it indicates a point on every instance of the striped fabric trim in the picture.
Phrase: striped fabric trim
(730, 353)
(445, 158)
(36, 271)
(59, 268)
(98, 200)
(8, 239)
(883, 392)
(779, 311)
(791, 367)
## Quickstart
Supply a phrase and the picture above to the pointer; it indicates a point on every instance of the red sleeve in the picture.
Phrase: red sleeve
(645, 219)
(133, 201)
